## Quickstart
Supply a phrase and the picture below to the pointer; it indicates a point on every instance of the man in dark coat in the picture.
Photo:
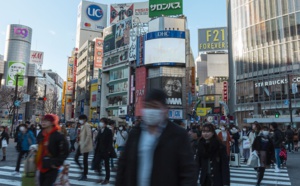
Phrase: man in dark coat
(103, 150)
(277, 141)
(158, 152)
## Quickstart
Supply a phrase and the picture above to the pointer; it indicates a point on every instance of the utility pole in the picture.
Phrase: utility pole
(14, 105)
(290, 100)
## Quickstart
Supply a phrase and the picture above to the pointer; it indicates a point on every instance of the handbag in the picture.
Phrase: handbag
(4, 143)
(246, 143)
(253, 160)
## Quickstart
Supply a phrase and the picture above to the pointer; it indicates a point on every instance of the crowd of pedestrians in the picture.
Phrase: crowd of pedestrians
(151, 152)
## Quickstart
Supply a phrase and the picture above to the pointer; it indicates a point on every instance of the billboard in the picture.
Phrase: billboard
(217, 65)
(165, 48)
(117, 35)
(94, 93)
(132, 44)
(70, 72)
(158, 8)
(70, 87)
(210, 39)
(36, 57)
(19, 32)
(140, 89)
(91, 16)
(15, 68)
(172, 86)
(119, 12)
(98, 53)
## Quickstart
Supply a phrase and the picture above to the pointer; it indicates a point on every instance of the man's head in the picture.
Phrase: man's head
(273, 126)
(23, 128)
(49, 121)
(155, 108)
(82, 119)
(103, 122)
(27, 123)
(2, 128)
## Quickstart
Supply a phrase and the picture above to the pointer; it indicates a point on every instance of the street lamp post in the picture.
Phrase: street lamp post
(290, 100)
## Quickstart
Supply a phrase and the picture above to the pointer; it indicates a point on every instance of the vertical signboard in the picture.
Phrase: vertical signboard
(119, 12)
(14, 69)
(98, 53)
(74, 69)
(132, 44)
(63, 100)
(36, 57)
(158, 8)
(225, 91)
(140, 89)
(140, 50)
(70, 73)
(172, 86)
(69, 87)
(212, 39)
(94, 92)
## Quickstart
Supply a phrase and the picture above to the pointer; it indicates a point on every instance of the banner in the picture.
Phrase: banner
(14, 69)
(140, 89)
(211, 39)
(172, 86)
(70, 69)
(132, 44)
(158, 8)
(70, 88)
(36, 57)
(98, 53)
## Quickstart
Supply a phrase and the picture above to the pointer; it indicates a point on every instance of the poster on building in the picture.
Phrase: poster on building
(158, 8)
(119, 12)
(211, 39)
(132, 44)
(70, 87)
(15, 69)
(172, 86)
(109, 38)
(122, 34)
(70, 69)
(140, 89)
(94, 93)
(36, 57)
(98, 53)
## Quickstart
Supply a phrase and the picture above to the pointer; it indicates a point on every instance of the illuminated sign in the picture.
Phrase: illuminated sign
(94, 12)
(23, 32)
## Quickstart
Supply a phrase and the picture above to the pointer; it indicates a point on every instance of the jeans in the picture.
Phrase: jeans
(278, 162)
(21, 154)
(289, 142)
(85, 161)
(72, 144)
(48, 178)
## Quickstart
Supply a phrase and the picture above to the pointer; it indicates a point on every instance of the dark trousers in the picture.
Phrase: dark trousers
(21, 154)
(72, 144)
(85, 161)
(97, 165)
(289, 143)
(48, 178)
(260, 174)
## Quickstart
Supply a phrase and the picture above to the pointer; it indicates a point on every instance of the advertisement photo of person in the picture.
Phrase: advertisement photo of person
(120, 35)
(172, 86)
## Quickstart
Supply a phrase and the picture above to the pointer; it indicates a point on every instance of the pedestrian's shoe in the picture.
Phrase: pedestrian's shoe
(15, 173)
(100, 181)
(114, 169)
(4, 158)
(105, 182)
(277, 170)
(83, 178)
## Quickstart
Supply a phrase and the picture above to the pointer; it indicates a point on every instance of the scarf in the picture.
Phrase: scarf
(43, 150)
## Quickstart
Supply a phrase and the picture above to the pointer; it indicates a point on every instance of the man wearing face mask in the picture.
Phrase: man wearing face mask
(158, 152)
(85, 145)
(103, 150)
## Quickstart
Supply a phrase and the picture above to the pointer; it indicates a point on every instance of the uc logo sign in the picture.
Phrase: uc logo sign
(94, 12)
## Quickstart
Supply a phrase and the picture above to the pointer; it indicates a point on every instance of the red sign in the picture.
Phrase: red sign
(140, 89)
(98, 56)
(225, 91)
(36, 57)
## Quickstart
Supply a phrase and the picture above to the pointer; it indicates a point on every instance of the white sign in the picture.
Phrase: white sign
(36, 57)
(132, 44)
(276, 82)
(26, 98)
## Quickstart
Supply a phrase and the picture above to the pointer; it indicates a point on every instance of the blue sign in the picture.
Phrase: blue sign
(17, 103)
(166, 34)
(82, 107)
(20, 117)
(94, 12)
(286, 102)
(175, 114)
(127, 118)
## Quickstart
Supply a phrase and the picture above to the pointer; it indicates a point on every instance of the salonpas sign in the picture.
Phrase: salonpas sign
(158, 8)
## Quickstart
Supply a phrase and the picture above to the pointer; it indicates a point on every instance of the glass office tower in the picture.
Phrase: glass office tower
(265, 60)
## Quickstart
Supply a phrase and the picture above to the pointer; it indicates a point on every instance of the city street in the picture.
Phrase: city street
(240, 176)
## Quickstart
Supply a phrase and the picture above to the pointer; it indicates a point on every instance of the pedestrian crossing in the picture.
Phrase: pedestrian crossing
(239, 176)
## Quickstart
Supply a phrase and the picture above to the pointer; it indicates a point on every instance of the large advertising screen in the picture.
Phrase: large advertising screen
(14, 69)
(92, 16)
(119, 12)
(165, 48)
(98, 53)
(117, 35)
(158, 8)
(36, 57)
(172, 86)
(211, 39)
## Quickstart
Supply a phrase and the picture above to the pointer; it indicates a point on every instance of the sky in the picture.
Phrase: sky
(54, 24)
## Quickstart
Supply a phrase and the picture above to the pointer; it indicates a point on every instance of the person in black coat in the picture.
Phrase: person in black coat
(157, 152)
(212, 159)
(103, 150)
(4, 139)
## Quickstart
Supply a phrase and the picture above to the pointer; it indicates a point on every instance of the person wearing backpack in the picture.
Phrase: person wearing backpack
(53, 150)
(289, 135)
(277, 141)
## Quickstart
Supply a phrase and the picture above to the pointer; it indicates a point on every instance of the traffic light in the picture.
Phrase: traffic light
(42, 98)
(277, 114)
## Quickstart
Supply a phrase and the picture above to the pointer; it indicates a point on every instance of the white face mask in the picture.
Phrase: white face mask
(22, 129)
(81, 121)
(234, 130)
(244, 129)
(223, 128)
(265, 133)
(152, 117)
(38, 128)
(101, 124)
(120, 128)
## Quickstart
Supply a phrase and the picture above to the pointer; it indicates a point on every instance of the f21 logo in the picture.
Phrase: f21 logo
(23, 32)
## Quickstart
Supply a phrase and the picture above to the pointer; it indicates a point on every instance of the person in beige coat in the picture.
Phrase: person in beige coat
(85, 145)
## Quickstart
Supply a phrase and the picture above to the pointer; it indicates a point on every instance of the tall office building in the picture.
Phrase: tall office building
(264, 57)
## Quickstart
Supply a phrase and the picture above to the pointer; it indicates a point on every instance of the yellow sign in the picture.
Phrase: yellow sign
(63, 100)
(202, 111)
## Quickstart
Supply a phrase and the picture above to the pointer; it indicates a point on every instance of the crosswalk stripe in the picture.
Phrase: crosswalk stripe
(10, 182)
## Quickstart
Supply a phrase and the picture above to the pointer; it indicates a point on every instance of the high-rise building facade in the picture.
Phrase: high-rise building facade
(264, 57)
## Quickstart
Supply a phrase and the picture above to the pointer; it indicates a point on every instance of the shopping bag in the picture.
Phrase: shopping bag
(4, 143)
(30, 164)
(253, 160)
(246, 143)
(63, 175)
